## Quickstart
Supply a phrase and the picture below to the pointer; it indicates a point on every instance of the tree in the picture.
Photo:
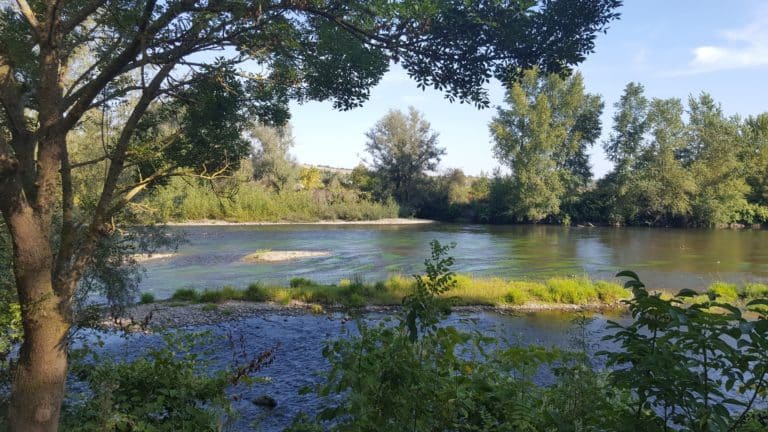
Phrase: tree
(629, 127)
(543, 138)
(623, 147)
(271, 162)
(403, 148)
(755, 157)
(661, 184)
(713, 157)
(60, 60)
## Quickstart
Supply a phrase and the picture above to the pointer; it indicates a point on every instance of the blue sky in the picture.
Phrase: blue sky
(675, 48)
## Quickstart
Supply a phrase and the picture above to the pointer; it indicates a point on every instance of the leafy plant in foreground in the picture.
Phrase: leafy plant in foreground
(701, 367)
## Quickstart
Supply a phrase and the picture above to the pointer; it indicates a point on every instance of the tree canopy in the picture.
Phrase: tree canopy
(543, 138)
(403, 148)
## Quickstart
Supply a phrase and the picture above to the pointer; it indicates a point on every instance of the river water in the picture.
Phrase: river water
(299, 362)
(664, 258)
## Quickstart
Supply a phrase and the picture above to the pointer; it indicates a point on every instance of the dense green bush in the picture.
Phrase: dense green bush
(185, 294)
(255, 293)
(147, 298)
(300, 282)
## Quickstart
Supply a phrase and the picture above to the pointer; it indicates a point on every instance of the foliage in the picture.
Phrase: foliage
(147, 298)
(425, 308)
(248, 201)
(167, 109)
(543, 138)
(115, 272)
(689, 367)
(185, 294)
(464, 290)
(403, 148)
(676, 171)
(255, 293)
(167, 389)
(310, 178)
(271, 162)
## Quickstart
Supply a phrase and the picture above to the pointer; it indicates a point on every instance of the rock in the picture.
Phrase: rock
(265, 401)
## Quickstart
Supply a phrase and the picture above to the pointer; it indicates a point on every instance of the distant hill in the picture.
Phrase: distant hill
(327, 168)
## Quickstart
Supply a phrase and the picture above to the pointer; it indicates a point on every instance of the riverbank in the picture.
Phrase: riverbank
(189, 307)
(170, 314)
(383, 221)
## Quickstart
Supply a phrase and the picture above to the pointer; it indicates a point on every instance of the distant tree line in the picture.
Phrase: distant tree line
(675, 164)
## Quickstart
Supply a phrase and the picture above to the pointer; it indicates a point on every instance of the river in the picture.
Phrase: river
(664, 258)
(212, 257)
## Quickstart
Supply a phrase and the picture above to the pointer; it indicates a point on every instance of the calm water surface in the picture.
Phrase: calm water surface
(664, 258)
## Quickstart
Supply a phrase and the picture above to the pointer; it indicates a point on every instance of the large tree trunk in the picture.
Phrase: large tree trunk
(38, 384)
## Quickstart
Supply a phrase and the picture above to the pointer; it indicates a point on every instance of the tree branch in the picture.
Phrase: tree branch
(80, 16)
(82, 256)
(29, 15)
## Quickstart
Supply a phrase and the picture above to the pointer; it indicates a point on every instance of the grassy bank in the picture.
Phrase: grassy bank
(182, 201)
(469, 291)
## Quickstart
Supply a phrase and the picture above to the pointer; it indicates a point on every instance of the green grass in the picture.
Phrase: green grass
(725, 292)
(469, 290)
(753, 291)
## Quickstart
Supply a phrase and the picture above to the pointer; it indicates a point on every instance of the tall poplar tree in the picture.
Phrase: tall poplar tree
(543, 137)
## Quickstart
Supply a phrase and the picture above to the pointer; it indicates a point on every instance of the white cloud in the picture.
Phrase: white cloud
(742, 48)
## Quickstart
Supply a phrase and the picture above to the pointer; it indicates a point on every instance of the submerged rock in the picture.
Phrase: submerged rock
(265, 401)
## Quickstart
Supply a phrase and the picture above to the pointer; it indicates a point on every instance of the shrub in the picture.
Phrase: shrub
(300, 282)
(211, 296)
(147, 298)
(724, 292)
(231, 293)
(255, 293)
(185, 294)
(681, 362)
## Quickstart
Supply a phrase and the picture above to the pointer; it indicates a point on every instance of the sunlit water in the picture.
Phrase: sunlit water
(664, 258)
